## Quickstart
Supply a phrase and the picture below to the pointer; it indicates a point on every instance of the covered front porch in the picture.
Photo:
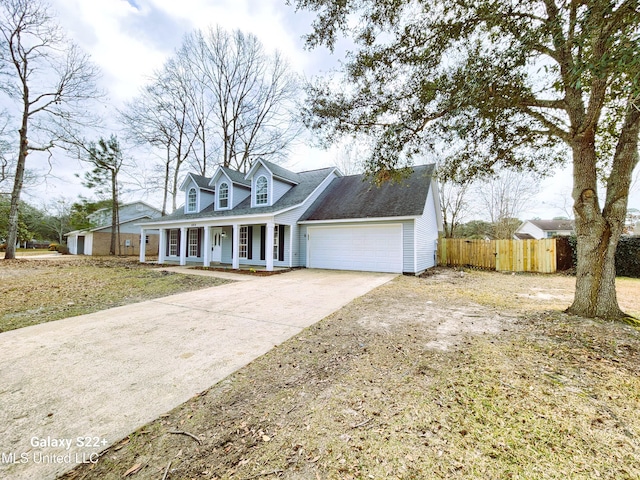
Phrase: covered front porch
(254, 245)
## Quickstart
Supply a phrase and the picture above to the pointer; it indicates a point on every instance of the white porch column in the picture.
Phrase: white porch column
(235, 254)
(143, 246)
(206, 247)
(183, 245)
(269, 245)
(162, 245)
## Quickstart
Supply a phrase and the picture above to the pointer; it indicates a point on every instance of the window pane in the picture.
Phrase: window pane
(193, 243)
(276, 241)
(261, 191)
(243, 242)
(173, 242)
(223, 196)
(191, 205)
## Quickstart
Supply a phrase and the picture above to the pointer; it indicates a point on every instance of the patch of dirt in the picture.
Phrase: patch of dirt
(454, 375)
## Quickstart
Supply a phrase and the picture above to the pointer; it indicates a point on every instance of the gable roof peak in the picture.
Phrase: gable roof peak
(276, 170)
(200, 180)
(233, 175)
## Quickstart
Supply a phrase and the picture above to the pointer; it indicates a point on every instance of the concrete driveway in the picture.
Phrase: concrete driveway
(72, 387)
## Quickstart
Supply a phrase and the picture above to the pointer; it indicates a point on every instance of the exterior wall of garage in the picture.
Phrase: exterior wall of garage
(419, 239)
(300, 231)
(426, 228)
(408, 263)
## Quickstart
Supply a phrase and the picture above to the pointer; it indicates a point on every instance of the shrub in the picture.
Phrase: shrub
(63, 249)
(3, 247)
(627, 256)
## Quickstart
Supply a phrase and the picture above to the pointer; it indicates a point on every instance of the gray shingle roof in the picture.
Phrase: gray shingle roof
(281, 172)
(553, 225)
(236, 177)
(308, 182)
(356, 197)
(202, 182)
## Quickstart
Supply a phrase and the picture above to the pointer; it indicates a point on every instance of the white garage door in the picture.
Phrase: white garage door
(373, 248)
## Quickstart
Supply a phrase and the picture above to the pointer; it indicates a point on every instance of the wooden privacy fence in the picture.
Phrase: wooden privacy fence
(502, 255)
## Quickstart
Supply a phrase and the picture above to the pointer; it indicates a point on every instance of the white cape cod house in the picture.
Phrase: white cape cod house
(272, 217)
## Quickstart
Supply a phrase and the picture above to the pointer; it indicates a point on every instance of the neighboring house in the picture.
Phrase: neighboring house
(97, 240)
(537, 229)
(632, 223)
(272, 217)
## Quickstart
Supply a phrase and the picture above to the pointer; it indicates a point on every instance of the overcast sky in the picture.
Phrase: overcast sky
(128, 39)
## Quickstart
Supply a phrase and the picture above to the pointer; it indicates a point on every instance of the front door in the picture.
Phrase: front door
(216, 244)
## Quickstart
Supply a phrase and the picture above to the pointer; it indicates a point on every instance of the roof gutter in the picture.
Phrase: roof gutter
(359, 220)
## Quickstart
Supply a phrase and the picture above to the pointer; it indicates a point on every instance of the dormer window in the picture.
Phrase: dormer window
(261, 190)
(191, 200)
(223, 195)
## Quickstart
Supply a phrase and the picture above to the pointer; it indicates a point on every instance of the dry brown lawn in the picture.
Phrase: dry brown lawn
(34, 291)
(451, 376)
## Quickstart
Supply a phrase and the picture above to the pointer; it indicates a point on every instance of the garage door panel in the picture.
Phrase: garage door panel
(369, 248)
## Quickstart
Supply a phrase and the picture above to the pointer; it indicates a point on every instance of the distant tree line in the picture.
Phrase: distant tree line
(221, 99)
(49, 223)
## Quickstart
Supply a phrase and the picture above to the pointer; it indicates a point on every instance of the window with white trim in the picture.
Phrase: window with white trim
(192, 200)
(193, 242)
(173, 242)
(223, 195)
(261, 190)
(244, 241)
(276, 241)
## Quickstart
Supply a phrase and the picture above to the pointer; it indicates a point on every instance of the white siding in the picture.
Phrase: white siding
(300, 231)
(88, 244)
(408, 246)
(531, 229)
(426, 231)
(357, 246)
(72, 244)
(407, 242)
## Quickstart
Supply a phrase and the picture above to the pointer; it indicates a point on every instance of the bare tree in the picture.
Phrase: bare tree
(58, 217)
(454, 202)
(349, 157)
(161, 116)
(47, 77)
(250, 96)
(504, 197)
(219, 100)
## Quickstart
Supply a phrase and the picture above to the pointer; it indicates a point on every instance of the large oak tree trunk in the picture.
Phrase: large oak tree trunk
(598, 230)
